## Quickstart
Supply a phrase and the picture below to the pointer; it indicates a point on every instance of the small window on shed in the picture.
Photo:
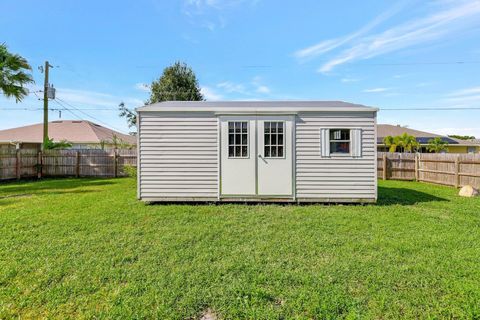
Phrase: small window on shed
(238, 139)
(340, 141)
(274, 142)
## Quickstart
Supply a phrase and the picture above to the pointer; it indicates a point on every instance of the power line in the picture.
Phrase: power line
(74, 114)
(90, 116)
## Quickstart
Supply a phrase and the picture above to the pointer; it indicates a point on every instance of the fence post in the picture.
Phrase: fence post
(18, 164)
(115, 163)
(457, 170)
(417, 160)
(384, 173)
(39, 165)
(77, 164)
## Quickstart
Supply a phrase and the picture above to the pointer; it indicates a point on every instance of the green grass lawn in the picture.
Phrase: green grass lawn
(87, 248)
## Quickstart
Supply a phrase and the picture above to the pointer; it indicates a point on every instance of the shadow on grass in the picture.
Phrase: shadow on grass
(404, 196)
(69, 185)
(386, 196)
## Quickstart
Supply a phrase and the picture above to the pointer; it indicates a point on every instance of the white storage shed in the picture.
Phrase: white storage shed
(288, 151)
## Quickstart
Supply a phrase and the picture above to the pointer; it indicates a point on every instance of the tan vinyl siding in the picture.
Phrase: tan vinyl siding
(178, 156)
(334, 177)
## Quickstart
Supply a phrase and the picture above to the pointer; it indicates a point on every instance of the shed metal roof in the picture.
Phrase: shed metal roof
(255, 106)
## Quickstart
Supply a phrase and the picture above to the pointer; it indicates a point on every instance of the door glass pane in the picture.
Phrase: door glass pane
(280, 151)
(244, 127)
(238, 139)
(274, 139)
(244, 139)
(273, 152)
(244, 151)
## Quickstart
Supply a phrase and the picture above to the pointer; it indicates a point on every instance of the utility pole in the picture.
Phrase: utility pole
(45, 105)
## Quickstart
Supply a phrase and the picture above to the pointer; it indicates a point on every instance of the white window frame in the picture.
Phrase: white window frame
(341, 154)
(283, 145)
(234, 145)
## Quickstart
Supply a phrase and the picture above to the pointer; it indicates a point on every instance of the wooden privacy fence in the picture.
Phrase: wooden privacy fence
(449, 169)
(17, 164)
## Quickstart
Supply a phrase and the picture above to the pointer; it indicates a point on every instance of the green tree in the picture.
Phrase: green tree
(177, 83)
(409, 143)
(129, 115)
(403, 142)
(50, 145)
(437, 145)
(390, 143)
(13, 74)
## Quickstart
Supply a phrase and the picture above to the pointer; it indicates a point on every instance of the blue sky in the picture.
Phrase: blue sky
(386, 54)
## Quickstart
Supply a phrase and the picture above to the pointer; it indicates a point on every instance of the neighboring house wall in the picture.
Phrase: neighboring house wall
(335, 177)
(29, 146)
(179, 155)
(456, 149)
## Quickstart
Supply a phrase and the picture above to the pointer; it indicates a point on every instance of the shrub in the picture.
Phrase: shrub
(129, 170)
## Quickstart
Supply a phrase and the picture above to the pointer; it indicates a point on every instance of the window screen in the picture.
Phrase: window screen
(238, 139)
(274, 142)
(339, 141)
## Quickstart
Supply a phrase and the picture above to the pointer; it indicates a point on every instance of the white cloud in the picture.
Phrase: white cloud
(210, 94)
(376, 90)
(263, 89)
(424, 84)
(232, 87)
(466, 91)
(328, 45)
(142, 87)
(209, 14)
(252, 88)
(451, 20)
(467, 97)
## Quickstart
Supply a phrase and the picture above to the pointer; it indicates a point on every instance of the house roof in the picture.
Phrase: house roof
(254, 106)
(74, 131)
(384, 130)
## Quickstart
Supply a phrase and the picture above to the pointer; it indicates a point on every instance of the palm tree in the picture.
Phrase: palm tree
(404, 142)
(13, 76)
(437, 145)
(409, 143)
(390, 143)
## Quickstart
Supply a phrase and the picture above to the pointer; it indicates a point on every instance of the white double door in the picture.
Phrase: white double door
(256, 156)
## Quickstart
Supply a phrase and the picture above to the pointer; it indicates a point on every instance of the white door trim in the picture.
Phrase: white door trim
(254, 152)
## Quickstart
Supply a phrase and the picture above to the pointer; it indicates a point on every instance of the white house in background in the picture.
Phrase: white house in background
(82, 134)
(289, 151)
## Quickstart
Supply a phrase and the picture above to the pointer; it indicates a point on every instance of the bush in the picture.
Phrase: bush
(129, 170)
